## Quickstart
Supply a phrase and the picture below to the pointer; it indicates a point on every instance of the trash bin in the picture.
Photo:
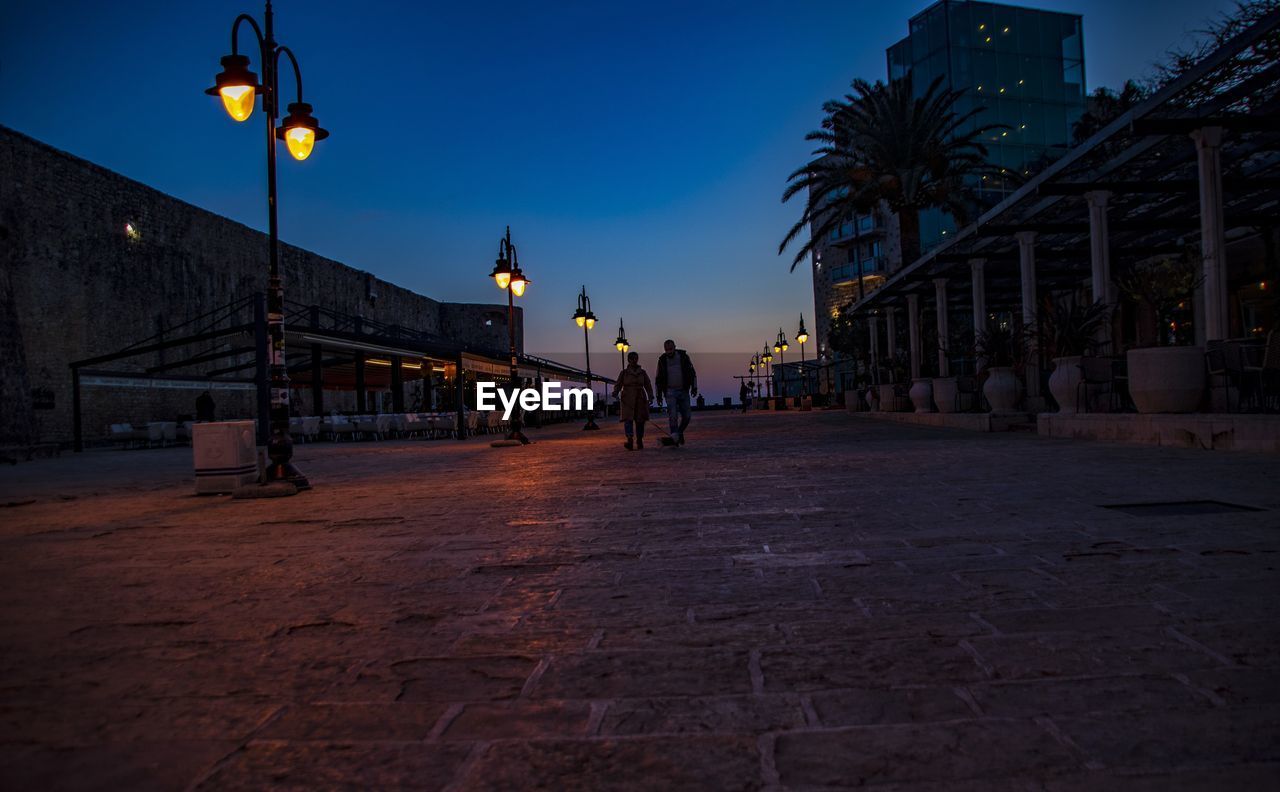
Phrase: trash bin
(225, 455)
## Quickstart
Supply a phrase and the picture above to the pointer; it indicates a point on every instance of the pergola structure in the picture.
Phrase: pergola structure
(330, 351)
(1198, 163)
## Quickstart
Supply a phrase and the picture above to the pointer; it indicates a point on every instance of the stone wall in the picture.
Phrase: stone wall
(94, 261)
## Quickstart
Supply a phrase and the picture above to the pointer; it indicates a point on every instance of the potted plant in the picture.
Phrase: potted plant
(1000, 348)
(1164, 378)
(1068, 331)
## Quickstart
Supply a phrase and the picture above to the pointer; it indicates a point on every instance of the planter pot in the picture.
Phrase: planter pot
(1166, 379)
(1002, 389)
(944, 394)
(888, 400)
(922, 395)
(872, 398)
(1064, 383)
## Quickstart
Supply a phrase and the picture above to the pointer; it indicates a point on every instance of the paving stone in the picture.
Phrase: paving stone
(873, 707)
(1162, 739)
(1073, 696)
(702, 714)
(938, 753)
(337, 765)
(634, 674)
(530, 720)
(1099, 653)
(657, 763)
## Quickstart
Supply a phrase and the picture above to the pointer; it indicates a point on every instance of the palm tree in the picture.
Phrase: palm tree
(883, 143)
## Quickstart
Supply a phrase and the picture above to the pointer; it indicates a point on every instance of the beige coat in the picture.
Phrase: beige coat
(637, 392)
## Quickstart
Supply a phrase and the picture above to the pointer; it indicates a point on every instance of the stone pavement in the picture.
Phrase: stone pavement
(792, 601)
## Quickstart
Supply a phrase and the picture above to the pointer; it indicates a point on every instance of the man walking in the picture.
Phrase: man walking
(676, 381)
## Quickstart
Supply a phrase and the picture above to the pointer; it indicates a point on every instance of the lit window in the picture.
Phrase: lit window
(131, 231)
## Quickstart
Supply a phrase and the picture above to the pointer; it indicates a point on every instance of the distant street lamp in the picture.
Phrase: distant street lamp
(780, 346)
(755, 378)
(767, 357)
(802, 335)
(239, 88)
(622, 344)
(587, 320)
(510, 278)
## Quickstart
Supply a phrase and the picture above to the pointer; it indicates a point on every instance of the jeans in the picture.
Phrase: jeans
(633, 427)
(679, 411)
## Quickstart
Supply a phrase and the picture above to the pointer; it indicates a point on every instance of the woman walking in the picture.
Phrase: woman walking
(633, 391)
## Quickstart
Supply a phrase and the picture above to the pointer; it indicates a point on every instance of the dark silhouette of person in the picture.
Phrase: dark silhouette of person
(204, 407)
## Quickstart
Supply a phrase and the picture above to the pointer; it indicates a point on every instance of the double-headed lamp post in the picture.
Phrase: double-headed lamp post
(780, 347)
(510, 278)
(767, 358)
(752, 369)
(802, 335)
(622, 343)
(239, 88)
(586, 320)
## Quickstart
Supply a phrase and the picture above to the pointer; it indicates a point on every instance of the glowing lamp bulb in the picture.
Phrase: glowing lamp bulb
(591, 322)
(300, 141)
(238, 99)
(503, 279)
(580, 319)
(802, 337)
(518, 285)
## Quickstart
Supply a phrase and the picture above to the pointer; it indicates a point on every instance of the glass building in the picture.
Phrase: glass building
(1024, 67)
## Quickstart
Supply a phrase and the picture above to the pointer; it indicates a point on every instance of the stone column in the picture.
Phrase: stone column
(1213, 316)
(940, 291)
(891, 330)
(913, 332)
(1027, 271)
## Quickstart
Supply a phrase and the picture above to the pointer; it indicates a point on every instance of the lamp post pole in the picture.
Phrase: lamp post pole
(780, 346)
(767, 357)
(586, 320)
(510, 278)
(802, 335)
(239, 88)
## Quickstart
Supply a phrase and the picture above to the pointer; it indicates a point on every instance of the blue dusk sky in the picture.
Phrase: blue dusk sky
(637, 148)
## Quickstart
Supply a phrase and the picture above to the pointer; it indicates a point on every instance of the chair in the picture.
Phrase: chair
(494, 422)
(1266, 374)
(473, 422)
(1095, 372)
(1215, 363)
(967, 385)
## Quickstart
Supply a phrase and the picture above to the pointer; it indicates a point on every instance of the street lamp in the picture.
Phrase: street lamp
(510, 278)
(622, 344)
(802, 335)
(587, 320)
(239, 88)
(780, 346)
(767, 357)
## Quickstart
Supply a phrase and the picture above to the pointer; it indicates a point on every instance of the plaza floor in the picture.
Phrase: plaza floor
(792, 601)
